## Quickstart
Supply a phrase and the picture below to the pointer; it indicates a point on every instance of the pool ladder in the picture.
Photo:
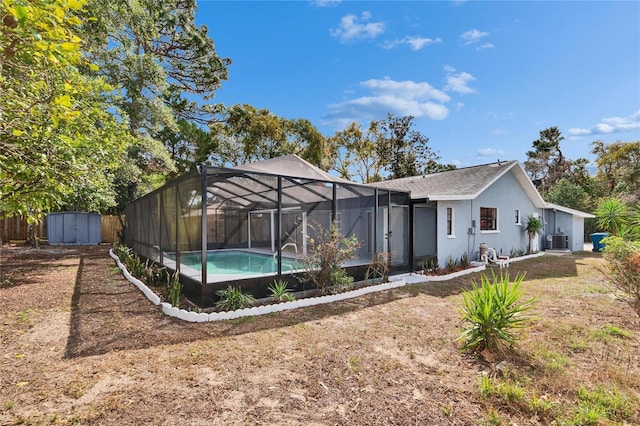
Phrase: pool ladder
(295, 248)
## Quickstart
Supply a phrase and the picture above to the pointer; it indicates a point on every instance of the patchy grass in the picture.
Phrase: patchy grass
(99, 353)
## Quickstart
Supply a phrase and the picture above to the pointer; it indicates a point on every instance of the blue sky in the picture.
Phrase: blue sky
(482, 79)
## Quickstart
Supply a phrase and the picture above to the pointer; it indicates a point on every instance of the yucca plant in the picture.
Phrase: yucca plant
(465, 262)
(613, 215)
(492, 312)
(173, 289)
(233, 298)
(280, 292)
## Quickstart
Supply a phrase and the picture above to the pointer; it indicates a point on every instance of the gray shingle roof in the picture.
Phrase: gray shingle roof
(462, 184)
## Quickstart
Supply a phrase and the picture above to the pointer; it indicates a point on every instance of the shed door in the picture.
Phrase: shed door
(68, 228)
(82, 228)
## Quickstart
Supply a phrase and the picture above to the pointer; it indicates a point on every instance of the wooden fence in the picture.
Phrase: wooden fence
(16, 228)
(111, 229)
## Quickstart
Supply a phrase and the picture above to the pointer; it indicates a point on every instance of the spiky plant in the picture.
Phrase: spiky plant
(280, 292)
(233, 298)
(492, 312)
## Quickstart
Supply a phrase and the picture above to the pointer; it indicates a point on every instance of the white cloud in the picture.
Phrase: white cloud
(472, 36)
(459, 82)
(579, 132)
(401, 98)
(610, 125)
(405, 89)
(499, 131)
(485, 46)
(350, 29)
(489, 152)
(414, 42)
(325, 3)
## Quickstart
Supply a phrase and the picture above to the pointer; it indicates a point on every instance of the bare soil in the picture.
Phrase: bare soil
(81, 345)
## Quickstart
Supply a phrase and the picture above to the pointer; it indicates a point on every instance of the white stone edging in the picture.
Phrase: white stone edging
(394, 282)
(190, 316)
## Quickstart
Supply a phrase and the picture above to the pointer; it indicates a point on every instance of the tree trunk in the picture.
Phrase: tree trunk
(32, 238)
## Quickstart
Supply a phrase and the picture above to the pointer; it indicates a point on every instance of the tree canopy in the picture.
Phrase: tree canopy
(546, 164)
(58, 126)
(389, 145)
(166, 70)
(618, 168)
(248, 134)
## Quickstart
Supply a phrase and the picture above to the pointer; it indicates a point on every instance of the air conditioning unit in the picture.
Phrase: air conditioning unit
(559, 242)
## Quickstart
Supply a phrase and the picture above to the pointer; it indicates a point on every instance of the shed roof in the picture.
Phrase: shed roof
(466, 183)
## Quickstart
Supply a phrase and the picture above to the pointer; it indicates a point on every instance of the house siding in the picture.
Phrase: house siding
(576, 238)
(506, 195)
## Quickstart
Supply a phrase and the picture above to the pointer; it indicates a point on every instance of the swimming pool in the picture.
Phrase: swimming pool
(237, 262)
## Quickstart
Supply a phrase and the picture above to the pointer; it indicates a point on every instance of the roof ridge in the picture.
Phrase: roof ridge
(500, 162)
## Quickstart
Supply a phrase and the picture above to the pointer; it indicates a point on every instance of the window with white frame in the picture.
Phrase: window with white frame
(518, 217)
(450, 222)
(488, 219)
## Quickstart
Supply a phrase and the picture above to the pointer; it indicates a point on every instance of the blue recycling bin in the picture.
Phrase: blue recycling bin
(597, 238)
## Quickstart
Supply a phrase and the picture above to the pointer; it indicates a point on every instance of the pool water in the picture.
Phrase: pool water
(237, 262)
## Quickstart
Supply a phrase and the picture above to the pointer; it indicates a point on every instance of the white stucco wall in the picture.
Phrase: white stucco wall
(506, 195)
(576, 239)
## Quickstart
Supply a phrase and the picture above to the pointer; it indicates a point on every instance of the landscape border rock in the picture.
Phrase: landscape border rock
(191, 316)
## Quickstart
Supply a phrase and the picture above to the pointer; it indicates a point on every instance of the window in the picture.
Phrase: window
(488, 219)
(450, 222)
(518, 217)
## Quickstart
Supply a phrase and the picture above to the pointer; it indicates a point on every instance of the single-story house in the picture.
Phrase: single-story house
(454, 211)
(252, 224)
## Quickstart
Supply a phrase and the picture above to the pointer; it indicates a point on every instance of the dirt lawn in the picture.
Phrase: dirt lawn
(81, 345)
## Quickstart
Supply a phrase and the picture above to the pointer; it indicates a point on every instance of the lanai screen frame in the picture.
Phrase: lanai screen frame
(173, 219)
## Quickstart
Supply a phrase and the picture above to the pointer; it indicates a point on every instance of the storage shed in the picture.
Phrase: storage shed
(74, 228)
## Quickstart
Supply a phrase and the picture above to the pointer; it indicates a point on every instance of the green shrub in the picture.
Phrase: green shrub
(623, 259)
(326, 255)
(173, 289)
(451, 263)
(280, 292)
(464, 261)
(154, 276)
(492, 312)
(340, 280)
(431, 265)
(233, 298)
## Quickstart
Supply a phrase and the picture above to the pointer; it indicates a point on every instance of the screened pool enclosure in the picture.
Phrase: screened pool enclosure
(246, 227)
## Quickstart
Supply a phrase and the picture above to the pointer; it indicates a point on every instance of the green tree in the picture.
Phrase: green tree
(404, 152)
(546, 163)
(188, 146)
(533, 225)
(57, 130)
(358, 156)
(167, 70)
(248, 134)
(619, 168)
(569, 194)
